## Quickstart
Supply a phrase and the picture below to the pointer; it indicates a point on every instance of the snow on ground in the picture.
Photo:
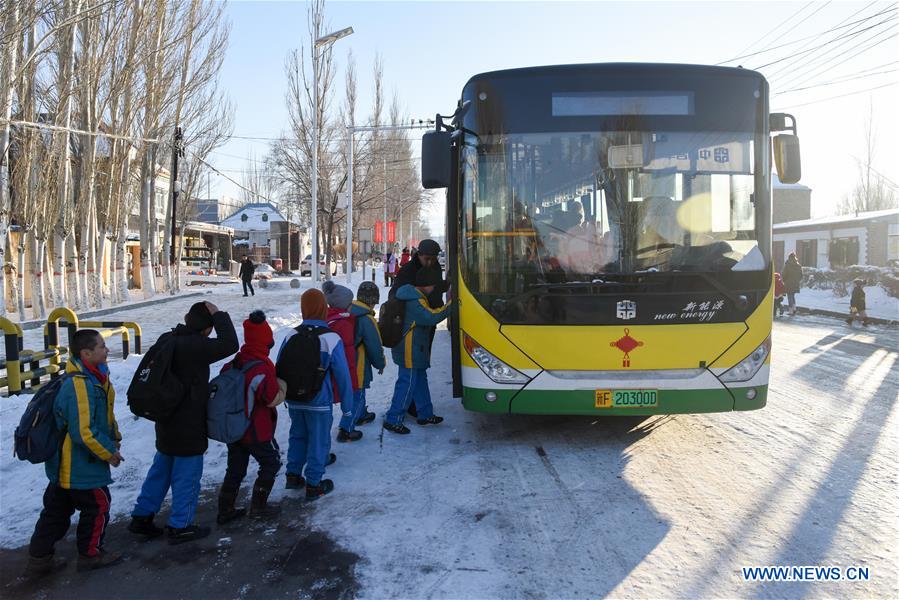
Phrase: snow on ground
(878, 302)
(521, 506)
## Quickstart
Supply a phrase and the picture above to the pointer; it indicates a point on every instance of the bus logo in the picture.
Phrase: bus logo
(627, 309)
(626, 344)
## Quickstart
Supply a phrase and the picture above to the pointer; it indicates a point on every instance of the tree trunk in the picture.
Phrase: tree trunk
(20, 276)
(148, 284)
(73, 280)
(4, 237)
(122, 294)
(95, 297)
(38, 307)
(59, 268)
(8, 64)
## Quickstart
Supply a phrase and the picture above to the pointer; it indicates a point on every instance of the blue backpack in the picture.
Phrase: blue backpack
(37, 437)
(228, 410)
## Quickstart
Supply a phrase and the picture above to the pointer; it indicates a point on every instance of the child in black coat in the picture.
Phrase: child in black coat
(857, 303)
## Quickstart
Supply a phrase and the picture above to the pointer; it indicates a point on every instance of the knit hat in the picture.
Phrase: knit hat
(368, 293)
(198, 317)
(429, 248)
(337, 296)
(256, 330)
(427, 276)
(313, 305)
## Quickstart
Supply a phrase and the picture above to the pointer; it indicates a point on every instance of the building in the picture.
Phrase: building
(214, 210)
(261, 232)
(868, 238)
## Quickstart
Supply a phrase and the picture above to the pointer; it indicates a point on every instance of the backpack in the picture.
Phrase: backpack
(300, 364)
(37, 437)
(343, 323)
(155, 392)
(390, 322)
(229, 409)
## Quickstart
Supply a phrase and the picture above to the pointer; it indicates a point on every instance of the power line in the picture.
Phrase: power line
(52, 127)
(835, 82)
(821, 7)
(886, 85)
(778, 26)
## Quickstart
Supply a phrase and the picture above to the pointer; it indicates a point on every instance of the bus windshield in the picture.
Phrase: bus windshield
(575, 206)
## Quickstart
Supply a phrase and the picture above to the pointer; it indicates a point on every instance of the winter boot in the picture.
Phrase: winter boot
(432, 420)
(144, 526)
(295, 482)
(332, 458)
(399, 428)
(41, 566)
(98, 561)
(259, 506)
(314, 492)
(866, 322)
(227, 512)
(368, 417)
(348, 436)
(186, 534)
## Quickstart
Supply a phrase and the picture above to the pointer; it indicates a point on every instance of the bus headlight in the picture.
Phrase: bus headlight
(749, 366)
(492, 367)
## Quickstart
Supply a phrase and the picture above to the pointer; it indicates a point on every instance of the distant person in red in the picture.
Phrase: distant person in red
(780, 291)
(405, 257)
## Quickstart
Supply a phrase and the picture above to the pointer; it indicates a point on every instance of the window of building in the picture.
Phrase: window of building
(844, 252)
(264, 217)
(244, 217)
(807, 252)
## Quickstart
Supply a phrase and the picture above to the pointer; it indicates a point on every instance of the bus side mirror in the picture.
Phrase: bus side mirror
(786, 157)
(436, 159)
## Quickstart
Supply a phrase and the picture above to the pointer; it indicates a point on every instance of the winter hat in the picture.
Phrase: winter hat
(427, 276)
(198, 317)
(337, 296)
(368, 293)
(429, 248)
(256, 330)
(313, 305)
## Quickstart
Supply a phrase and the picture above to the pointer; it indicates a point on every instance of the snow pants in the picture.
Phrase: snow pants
(359, 409)
(181, 474)
(310, 442)
(267, 454)
(411, 386)
(56, 517)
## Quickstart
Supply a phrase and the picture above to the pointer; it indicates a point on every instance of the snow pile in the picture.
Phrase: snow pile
(879, 303)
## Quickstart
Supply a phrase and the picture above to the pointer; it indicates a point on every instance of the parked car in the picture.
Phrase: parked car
(306, 266)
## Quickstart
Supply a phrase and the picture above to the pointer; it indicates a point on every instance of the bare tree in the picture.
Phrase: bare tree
(872, 191)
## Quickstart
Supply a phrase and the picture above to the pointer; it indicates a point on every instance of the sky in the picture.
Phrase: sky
(430, 49)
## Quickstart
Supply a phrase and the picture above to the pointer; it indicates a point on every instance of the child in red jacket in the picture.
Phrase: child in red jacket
(259, 442)
(780, 291)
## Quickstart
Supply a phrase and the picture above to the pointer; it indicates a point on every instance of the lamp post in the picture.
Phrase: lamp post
(325, 40)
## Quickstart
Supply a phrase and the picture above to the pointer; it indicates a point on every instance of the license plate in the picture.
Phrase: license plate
(626, 398)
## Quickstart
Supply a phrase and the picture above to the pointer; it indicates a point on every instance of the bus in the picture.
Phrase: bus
(609, 237)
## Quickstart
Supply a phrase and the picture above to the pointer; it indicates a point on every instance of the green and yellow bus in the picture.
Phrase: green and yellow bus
(609, 237)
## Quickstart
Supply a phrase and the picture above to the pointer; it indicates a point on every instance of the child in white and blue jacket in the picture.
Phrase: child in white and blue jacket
(413, 354)
(310, 423)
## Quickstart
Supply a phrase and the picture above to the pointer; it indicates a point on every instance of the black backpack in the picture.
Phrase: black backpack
(37, 438)
(390, 322)
(155, 391)
(300, 364)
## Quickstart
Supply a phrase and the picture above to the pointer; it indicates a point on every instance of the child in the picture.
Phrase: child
(79, 475)
(857, 303)
(369, 351)
(259, 442)
(342, 322)
(780, 291)
(413, 354)
(310, 421)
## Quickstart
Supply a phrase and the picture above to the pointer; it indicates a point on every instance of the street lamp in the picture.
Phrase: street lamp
(325, 40)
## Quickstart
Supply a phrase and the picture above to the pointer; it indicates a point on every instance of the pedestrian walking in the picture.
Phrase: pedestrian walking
(857, 303)
(79, 474)
(263, 392)
(247, 269)
(413, 354)
(342, 322)
(181, 439)
(312, 363)
(792, 278)
(369, 352)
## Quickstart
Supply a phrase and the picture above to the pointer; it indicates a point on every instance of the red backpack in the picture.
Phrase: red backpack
(343, 324)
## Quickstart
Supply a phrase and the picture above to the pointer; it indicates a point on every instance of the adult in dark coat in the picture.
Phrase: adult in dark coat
(181, 439)
(247, 268)
(792, 278)
(425, 258)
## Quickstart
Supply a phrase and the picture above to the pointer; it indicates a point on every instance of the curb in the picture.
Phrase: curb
(114, 309)
(842, 315)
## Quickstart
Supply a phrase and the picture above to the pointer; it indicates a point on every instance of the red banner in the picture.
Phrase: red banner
(391, 232)
(379, 232)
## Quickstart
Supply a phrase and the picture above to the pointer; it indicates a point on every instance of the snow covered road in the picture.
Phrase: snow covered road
(560, 507)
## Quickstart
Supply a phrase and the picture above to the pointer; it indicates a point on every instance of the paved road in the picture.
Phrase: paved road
(547, 507)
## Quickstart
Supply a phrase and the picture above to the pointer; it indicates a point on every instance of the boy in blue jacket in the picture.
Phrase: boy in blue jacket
(79, 475)
(310, 422)
(369, 352)
(413, 354)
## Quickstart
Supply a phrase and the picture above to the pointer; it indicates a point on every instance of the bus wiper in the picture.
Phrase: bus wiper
(740, 302)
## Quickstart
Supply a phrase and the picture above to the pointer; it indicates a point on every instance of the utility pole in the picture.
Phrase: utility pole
(177, 151)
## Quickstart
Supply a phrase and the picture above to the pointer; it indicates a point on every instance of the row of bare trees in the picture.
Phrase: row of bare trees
(90, 94)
